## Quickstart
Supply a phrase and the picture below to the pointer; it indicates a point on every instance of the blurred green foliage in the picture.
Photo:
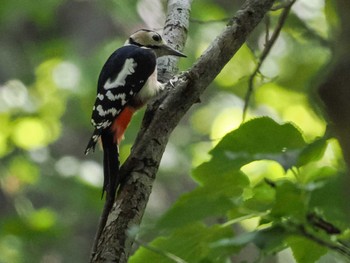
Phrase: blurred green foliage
(272, 184)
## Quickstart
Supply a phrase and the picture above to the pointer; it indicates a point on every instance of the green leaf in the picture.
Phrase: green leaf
(208, 201)
(312, 152)
(262, 135)
(304, 250)
(263, 198)
(316, 176)
(219, 166)
(191, 243)
(269, 240)
(238, 241)
(259, 139)
(334, 206)
(221, 181)
(290, 201)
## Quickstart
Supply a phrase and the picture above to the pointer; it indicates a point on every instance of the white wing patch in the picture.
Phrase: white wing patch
(102, 112)
(104, 125)
(120, 96)
(100, 96)
(128, 69)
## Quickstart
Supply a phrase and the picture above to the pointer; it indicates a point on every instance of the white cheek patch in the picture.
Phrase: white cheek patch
(120, 96)
(128, 69)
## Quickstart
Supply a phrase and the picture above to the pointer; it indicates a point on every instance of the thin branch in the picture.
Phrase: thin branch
(336, 246)
(267, 29)
(269, 44)
(282, 5)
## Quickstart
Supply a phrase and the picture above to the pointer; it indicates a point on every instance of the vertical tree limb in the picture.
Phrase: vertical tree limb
(335, 89)
(335, 93)
(175, 34)
(141, 167)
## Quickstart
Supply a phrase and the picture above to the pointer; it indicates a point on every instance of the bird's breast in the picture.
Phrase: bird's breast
(150, 89)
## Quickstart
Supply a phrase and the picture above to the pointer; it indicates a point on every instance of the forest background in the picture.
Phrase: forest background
(284, 193)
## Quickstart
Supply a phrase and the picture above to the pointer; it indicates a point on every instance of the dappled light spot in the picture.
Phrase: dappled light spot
(13, 94)
(257, 171)
(26, 172)
(39, 155)
(226, 121)
(67, 166)
(42, 220)
(30, 133)
(293, 106)
(91, 172)
(3, 144)
(306, 119)
(200, 153)
(171, 159)
(10, 247)
(311, 10)
(66, 75)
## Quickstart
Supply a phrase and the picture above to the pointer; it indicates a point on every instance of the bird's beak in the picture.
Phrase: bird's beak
(166, 50)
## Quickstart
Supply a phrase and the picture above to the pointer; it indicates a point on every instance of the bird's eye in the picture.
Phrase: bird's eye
(156, 38)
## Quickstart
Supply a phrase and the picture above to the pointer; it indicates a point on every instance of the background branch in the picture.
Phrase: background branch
(268, 45)
(160, 120)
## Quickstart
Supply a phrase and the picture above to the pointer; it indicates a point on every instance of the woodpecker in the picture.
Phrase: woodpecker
(127, 81)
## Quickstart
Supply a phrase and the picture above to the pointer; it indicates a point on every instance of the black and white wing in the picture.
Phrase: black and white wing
(122, 77)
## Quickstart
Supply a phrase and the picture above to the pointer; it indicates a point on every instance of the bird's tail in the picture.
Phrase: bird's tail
(110, 165)
(111, 179)
(93, 140)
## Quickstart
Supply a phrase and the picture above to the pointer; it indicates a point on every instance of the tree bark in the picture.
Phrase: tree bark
(162, 116)
(175, 34)
(335, 89)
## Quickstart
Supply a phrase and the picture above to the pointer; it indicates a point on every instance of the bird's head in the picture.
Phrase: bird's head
(151, 39)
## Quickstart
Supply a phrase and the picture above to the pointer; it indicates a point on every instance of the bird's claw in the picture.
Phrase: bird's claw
(176, 78)
(173, 80)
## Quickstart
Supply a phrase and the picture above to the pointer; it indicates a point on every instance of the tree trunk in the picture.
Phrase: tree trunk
(335, 89)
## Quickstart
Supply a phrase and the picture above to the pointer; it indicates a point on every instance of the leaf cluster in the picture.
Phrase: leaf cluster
(233, 208)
